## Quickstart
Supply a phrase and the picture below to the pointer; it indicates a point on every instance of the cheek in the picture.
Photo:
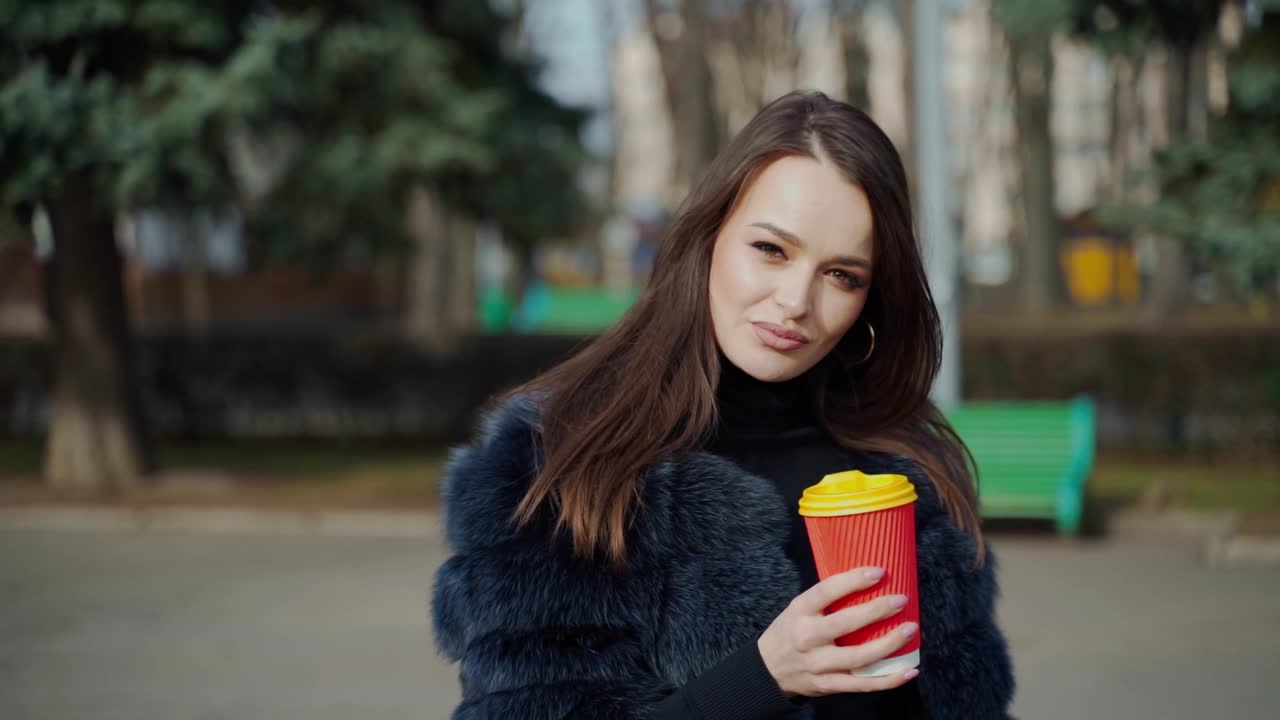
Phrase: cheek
(840, 312)
(719, 290)
(734, 281)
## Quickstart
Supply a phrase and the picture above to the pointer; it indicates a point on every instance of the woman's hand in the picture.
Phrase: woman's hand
(799, 648)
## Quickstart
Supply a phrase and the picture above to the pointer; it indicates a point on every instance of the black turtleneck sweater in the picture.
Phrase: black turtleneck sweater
(770, 430)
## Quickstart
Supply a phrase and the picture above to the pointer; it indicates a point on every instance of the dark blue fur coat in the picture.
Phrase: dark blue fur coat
(541, 634)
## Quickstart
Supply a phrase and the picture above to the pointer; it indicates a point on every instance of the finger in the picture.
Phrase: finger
(842, 622)
(838, 682)
(833, 658)
(817, 598)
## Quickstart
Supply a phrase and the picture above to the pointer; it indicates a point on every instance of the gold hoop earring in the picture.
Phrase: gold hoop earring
(872, 332)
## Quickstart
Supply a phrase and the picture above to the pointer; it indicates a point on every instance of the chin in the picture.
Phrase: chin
(769, 365)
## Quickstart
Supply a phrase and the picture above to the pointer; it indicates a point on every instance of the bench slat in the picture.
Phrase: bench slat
(1032, 457)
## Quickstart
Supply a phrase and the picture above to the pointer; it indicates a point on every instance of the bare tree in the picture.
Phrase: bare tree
(195, 275)
(904, 11)
(1031, 65)
(99, 442)
(757, 54)
(680, 32)
(1188, 104)
(848, 15)
(439, 284)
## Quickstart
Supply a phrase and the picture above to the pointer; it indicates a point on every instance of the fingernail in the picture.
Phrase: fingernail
(897, 601)
(874, 573)
(910, 673)
(909, 629)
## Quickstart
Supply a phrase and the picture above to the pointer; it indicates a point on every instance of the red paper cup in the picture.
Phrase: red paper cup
(857, 520)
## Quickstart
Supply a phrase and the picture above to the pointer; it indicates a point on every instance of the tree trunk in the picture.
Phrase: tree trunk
(690, 88)
(857, 60)
(195, 280)
(1124, 125)
(462, 291)
(904, 12)
(1188, 109)
(427, 319)
(97, 440)
(524, 269)
(765, 57)
(1031, 62)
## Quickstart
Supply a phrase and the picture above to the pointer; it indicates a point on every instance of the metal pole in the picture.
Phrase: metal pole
(933, 175)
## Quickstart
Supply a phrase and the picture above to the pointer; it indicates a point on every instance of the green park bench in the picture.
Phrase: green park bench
(1033, 458)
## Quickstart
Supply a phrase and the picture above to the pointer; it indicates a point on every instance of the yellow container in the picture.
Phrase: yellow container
(853, 491)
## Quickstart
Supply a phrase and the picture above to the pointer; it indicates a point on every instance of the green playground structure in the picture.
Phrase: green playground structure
(558, 311)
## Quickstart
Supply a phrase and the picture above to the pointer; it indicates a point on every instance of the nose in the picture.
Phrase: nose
(793, 291)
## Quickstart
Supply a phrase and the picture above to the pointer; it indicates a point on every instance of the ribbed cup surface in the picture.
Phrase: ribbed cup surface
(884, 538)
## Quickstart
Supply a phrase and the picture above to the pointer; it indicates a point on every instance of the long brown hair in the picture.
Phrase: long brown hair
(646, 388)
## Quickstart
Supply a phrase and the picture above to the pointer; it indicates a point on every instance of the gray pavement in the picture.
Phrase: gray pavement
(181, 626)
(202, 627)
(1138, 630)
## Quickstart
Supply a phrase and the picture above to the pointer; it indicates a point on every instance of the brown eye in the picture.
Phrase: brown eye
(768, 249)
(850, 281)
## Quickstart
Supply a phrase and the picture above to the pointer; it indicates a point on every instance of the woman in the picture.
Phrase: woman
(625, 526)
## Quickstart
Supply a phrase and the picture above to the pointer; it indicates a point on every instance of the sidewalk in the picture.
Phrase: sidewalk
(375, 523)
(291, 627)
(1215, 535)
(220, 503)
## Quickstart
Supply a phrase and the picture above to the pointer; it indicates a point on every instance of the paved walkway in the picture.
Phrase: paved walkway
(1138, 631)
(209, 627)
(175, 626)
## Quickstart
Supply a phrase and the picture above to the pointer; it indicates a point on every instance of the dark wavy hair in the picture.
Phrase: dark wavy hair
(646, 388)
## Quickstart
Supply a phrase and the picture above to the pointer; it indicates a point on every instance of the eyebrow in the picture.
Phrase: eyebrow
(795, 240)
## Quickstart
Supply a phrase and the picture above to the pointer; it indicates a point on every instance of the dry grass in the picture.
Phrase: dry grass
(1252, 488)
(255, 474)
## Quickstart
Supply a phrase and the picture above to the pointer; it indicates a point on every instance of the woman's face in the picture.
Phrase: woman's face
(791, 268)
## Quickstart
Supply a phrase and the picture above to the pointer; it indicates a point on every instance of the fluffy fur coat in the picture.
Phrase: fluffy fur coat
(540, 634)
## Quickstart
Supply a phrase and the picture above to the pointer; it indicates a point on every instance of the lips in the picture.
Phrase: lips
(778, 337)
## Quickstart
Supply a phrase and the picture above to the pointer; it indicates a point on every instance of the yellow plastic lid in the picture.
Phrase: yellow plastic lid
(853, 491)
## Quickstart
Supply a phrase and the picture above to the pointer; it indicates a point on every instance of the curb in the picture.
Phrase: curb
(1174, 525)
(1243, 551)
(225, 521)
(1214, 533)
